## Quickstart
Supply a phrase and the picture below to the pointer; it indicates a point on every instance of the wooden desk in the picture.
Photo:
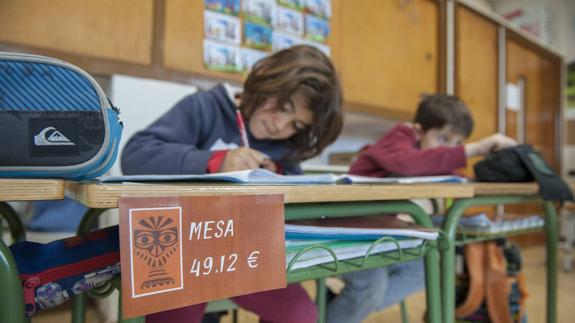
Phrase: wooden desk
(302, 201)
(11, 306)
(486, 189)
(106, 195)
(496, 194)
(31, 189)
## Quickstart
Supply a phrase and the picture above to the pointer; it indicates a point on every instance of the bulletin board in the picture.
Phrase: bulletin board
(191, 27)
(238, 33)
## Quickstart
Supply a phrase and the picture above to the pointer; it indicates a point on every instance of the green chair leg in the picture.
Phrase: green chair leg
(79, 308)
(141, 319)
(11, 293)
(15, 225)
(404, 314)
(551, 230)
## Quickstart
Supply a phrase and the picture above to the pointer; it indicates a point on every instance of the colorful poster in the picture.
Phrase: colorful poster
(294, 4)
(257, 36)
(316, 29)
(222, 27)
(252, 56)
(320, 8)
(229, 7)
(260, 11)
(290, 21)
(221, 57)
(282, 41)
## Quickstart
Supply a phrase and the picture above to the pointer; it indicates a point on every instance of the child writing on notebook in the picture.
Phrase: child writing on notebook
(431, 145)
(290, 110)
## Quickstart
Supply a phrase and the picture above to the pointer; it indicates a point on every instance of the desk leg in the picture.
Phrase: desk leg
(448, 259)
(551, 230)
(432, 281)
(321, 301)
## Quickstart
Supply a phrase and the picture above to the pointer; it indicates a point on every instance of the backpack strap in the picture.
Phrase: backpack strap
(475, 259)
(498, 284)
(523, 293)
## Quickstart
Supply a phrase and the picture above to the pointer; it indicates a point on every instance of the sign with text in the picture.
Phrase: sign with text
(180, 251)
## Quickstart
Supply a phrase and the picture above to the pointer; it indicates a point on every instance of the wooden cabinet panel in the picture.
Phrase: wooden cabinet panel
(118, 30)
(540, 75)
(183, 39)
(476, 77)
(387, 52)
(476, 69)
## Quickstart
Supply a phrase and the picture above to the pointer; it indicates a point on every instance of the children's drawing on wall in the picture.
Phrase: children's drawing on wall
(316, 29)
(282, 40)
(252, 56)
(257, 36)
(260, 11)
(320, 8)
(229, 7)
(294, 4)
(221, 57)
(238, 33)
(222, 27)
(289, 20)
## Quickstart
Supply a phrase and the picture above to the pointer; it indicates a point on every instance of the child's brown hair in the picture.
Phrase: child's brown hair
(306, 71)
(440, 110)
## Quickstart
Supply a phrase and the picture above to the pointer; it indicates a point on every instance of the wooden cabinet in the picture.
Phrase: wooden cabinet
(538, 75)
(476, 77)
(386, 53)
(116, 30)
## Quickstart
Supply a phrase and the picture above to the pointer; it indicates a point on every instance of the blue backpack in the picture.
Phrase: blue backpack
(52, 273)
(55, 120)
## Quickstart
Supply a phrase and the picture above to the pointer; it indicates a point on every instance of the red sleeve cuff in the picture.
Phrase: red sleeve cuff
(215, 162)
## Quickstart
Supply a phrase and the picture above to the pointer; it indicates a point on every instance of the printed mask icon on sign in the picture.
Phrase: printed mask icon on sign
(156, 240)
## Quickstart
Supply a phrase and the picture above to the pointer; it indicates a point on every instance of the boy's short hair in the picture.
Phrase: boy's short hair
(306, 71)
(439, 110)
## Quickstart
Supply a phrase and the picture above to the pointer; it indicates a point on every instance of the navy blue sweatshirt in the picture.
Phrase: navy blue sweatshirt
(183, 140)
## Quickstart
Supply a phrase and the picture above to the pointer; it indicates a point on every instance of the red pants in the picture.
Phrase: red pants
(288, 305)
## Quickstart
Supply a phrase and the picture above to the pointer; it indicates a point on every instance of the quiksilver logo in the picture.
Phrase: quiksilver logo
(49, 136)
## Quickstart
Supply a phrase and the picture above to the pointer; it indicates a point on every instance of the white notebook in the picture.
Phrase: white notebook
(263, 176)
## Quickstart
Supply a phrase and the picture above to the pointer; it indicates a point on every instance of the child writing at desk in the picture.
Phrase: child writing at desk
(290, 110)
(431, 145)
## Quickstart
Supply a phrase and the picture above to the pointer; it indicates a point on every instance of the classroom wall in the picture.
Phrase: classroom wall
(141, 101)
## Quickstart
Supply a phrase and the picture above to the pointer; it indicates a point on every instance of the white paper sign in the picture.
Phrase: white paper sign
(513, 97)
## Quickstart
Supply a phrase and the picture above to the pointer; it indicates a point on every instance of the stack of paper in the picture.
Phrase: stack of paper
(351, 237)
(370, 227)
